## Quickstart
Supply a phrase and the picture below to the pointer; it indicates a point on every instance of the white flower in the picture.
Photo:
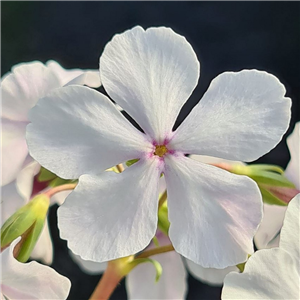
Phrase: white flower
(21, 88)
(76, 131)
(271, 273)
(31, 280)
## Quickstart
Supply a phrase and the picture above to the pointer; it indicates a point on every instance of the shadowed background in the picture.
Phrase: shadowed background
(226, 36)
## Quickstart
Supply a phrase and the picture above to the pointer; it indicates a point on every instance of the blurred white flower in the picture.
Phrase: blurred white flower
(30, 280)
(21, 88)
(151, 74)
(271, 273)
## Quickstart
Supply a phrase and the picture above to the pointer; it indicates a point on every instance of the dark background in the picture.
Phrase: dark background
(226, 36)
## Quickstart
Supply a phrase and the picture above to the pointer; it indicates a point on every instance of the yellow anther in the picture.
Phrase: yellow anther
(160, 150)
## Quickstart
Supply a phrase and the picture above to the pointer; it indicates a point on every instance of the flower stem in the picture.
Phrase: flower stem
(155, 251)
(60, 188)
(107, 283)
(120, 168)
(162, 199)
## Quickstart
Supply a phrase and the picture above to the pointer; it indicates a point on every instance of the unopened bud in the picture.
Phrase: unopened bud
(28, 223)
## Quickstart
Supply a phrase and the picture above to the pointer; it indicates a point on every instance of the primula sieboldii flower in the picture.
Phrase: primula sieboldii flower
(214, 214)
(271, 273)
(21, 88)
(31, 280)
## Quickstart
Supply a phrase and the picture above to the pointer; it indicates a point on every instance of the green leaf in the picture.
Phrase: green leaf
(269, 198)
(155, 263)
(131, 162)
(45, 175)
(271, 178)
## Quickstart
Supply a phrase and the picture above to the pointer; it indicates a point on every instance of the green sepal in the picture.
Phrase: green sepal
(26, 222)
(155, 263)
(271, 178)
(59, 181)
(131, 162)
(241, 266)
(45, 175)
(264, 167)
(269, 198)
(30, 241)
(163, 220)
(16, 225)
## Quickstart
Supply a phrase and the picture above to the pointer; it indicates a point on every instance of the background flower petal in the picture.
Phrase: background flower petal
(211, 276)
(214, 214)
(150, 74)
(292, 171)
(112, 215)
(87, 266)
(290, 232)
(74, 76)
(268, 274)
(76, 130)
(22, 88)
(242, 116)
(31, 280)
(267, 235)
(11, 201)
(13, 149)
(140, 282)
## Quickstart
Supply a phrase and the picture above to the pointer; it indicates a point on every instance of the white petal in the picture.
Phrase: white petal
(87, 266)
(268, 230)
(75, 76)
(76, 130)
(11, 201)
(213, 213)
(290, 232)
(269, 274)
(13, 149)
(140, 282)
(150, 74)
(22, 88)
(31, 280)
(241, 117)
(214, 160)
(112, 215)
(43, 250)
(209, 276)
(292, 171)
(25, 179)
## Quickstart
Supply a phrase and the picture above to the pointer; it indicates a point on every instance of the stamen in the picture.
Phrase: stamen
(160, 150)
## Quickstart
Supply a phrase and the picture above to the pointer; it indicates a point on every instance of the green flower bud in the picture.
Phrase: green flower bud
(28, 223)
(275, 188)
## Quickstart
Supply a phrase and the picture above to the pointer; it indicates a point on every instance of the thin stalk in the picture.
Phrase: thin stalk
(60, 188)
(155, 251)
(107, 284)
